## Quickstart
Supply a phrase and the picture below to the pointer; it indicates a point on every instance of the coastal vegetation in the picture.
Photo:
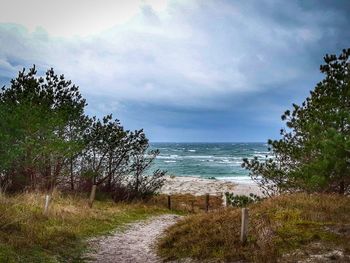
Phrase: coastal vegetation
(26, 235)
(241, 200)
(47, 141)
(285, 228)
(49, 148)
(313, 154)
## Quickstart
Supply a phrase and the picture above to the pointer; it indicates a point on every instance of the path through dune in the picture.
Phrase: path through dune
(132, 245)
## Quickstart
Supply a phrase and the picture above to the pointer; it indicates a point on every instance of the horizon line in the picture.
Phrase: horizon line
(204, 142)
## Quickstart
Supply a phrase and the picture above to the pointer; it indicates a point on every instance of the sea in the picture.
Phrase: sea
(208, 160)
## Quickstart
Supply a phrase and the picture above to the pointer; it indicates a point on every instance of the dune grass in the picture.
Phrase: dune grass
(26, 235)
(283, 229)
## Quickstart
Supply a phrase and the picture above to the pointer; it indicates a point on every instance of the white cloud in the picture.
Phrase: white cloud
(78, 17)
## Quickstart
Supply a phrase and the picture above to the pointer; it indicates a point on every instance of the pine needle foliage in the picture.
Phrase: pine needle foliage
(313, 154)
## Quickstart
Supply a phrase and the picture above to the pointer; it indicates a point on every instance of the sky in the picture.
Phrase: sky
(185, 71)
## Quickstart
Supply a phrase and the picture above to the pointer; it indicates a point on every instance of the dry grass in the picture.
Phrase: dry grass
(26, 235)
(277, 227)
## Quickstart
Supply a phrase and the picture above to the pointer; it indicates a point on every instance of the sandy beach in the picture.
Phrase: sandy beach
(202, 186)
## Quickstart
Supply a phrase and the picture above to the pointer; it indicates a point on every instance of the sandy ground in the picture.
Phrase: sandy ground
(134, 245)
(201, 186)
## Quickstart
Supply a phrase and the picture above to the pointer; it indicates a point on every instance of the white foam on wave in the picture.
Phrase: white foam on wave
(263, 156)
(164, 157)
(229, 160)
(173, 156)
(230, 163)
(170, 161)
(198, 157)
(261, 152)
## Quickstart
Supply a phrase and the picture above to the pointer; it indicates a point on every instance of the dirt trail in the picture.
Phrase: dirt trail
(132, 245)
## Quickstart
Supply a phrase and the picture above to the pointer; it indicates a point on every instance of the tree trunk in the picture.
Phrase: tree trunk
(71, 175)
(92, 195)
(109, 172)
(56, 173)
(137, 183)
(341, 187)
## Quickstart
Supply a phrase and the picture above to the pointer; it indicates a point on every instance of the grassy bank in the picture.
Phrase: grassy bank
(26, 235)
(285, 229)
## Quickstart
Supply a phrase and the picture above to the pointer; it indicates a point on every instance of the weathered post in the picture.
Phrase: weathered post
(169, 202)
(92, 195)
(207, 203)
(46, 207)
(244, 227)
(224, 200)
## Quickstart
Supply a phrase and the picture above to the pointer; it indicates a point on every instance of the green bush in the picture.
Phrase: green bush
(241, 200)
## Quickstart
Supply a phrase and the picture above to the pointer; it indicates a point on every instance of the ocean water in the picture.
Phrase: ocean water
(219, 160)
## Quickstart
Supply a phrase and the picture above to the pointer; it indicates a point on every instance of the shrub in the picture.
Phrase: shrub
(241, 200)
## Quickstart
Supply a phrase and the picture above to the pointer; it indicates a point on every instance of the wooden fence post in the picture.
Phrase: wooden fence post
(92, 195)
(207, 203)
(169, 202)
(224, 200)
(244, 227)
(46, 207)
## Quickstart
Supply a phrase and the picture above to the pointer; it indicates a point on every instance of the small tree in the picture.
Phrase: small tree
(141, 184)
(111, 154)
(314, 151)
(104, 138)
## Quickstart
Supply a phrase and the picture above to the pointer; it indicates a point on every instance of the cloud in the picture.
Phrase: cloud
(73, 18)
(191, 62)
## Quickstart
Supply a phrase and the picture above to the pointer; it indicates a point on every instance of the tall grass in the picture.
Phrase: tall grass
(26, 235)
(278, 227)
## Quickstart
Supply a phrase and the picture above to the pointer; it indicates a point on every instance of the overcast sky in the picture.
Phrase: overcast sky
(182, 70)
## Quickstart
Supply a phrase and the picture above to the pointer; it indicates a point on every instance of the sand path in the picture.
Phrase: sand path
(135, 244)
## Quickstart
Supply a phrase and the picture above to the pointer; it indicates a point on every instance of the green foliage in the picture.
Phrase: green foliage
(107, 148)
(36, 113)
(314, 151)
(46, 140)
(241, 200)
(144, 185)
(117, 159)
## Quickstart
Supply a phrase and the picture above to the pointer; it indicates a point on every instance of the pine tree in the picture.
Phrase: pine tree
(36, 113)
(313, 154)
